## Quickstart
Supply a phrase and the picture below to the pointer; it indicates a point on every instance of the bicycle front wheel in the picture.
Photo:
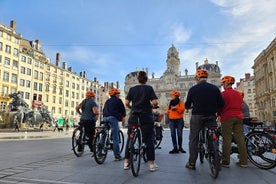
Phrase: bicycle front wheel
(99, 148)
(121, 141)
(135, 154)
(77, 145)
(261, 150)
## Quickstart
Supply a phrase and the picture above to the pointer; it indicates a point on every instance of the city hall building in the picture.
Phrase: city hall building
(173, 79)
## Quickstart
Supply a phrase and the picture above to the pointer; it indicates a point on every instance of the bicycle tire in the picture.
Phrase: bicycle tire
(261, 150)
(77, 145)
(201, 150)
(99, 147)
(214, 158)
(144, 153)
(135, 154)
(121, 141)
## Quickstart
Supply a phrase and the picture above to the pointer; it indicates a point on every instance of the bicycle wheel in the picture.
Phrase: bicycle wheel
(99, 147)
(77, 145)
(214, 157)
(201, 150)
(135, 154)
(121, 141)
(261, 150)
(144, 153)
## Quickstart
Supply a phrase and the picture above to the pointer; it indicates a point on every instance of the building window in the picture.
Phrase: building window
(47, 98)
(1, 46)
(36, 63)
(60, 100)
(23, 59)
(8, 49)
(54, 99)
(67, 83)
(36, 74)
(22, 82)
(15, 65)
(9, 37)
(14, 78)
(40, 87)
(29, 61)
(15, 52)
(67, 93)
(7, 62)
(28, 83)
(41, 65)
(27, 95)
(22, 69)
(5, 90)
(47, 87)
(16, 41)
(35, 85)
(29, 71)
(6, 76)
(66, 103)
(41, 76)
(3, 104)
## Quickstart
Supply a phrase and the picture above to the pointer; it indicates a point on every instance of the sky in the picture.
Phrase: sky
(111, 38)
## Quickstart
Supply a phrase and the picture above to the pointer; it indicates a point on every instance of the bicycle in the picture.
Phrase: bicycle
(79, 140)
(261, 146)
(208, 145)
(103, 142)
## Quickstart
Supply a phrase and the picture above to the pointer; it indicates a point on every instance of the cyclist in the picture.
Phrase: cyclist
(89, 115)
(231, 118)
(205, 99)
(175, 113)
(142, 97)
(113, 112)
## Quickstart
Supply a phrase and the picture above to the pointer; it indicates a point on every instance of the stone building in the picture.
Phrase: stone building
(172, 79)
(24, 67)
(265, 83)
(247, 86)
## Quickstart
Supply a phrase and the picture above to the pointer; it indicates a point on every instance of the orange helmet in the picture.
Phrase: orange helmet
(202, 73)
(228, 80)
(89, 94)
(114, 91)
(175, 93)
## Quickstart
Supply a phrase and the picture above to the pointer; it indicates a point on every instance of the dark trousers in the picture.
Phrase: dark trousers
(176, 127)
(89, 127)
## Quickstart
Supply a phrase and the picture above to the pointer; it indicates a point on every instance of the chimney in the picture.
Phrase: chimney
(196, 65)
(57, 59)
(64, 65)
(80, 74)
(84, 74)
(13, 25)
(117, 85)
(70, 69)
(247, 76)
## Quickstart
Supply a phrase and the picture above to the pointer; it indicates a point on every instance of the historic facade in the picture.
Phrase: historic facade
(265, 83)
(172, 79)
(25, 68)
(247, 86)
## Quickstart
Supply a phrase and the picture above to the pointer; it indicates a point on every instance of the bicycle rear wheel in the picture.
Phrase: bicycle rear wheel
(99, 147)
(135, 154)
(157, 143)
(121, 141)
(201, 150)
(261, 150)
(214, 157)
(77, 145)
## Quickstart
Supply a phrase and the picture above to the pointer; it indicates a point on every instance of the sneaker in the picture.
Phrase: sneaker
(153, 167)
(190, 166)
(175, 150)
(118, 158)
(181, 150)
(224, 164)
(241, 165)
(126, 166)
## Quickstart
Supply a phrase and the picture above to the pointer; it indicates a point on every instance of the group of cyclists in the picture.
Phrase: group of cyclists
(204, 99)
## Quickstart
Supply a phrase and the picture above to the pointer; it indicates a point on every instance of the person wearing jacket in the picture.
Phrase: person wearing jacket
(175, 113)
(113, 112)
(231, 118)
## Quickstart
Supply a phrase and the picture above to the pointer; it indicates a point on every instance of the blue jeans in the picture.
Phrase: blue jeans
(176, 126)
(113, 123)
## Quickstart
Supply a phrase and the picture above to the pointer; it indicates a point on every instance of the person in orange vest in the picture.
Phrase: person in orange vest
(175, 113)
